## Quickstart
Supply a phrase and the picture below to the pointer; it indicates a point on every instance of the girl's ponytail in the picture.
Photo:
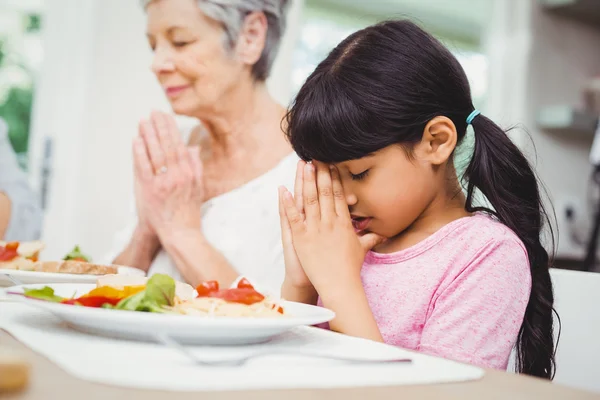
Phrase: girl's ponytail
(500, 171)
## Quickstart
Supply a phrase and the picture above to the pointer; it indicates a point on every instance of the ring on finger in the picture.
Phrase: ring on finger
(162, 170)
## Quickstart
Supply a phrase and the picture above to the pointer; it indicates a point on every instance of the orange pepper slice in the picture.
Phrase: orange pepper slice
(112, 293)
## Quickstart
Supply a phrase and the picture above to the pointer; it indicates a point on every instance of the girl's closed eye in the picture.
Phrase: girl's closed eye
(359, 176)
(181, 44)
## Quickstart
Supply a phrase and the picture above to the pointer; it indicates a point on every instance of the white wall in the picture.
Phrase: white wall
(280, 83)
(537, 59)
(507, 44)
(95, 86)
(564, 57)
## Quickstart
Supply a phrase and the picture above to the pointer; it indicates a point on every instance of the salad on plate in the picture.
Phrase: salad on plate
(162, 294)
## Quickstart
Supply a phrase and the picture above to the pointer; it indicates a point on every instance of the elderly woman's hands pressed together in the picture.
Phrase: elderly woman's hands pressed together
(168, 178)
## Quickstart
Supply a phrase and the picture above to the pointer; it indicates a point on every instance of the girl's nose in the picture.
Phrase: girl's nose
(351, 199)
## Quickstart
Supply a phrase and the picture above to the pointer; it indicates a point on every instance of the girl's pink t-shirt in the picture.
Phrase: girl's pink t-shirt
(460, 294)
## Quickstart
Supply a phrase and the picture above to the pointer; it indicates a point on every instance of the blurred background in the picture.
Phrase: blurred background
(75, 80)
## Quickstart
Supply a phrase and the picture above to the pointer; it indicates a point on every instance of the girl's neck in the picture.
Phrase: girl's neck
(446, 207)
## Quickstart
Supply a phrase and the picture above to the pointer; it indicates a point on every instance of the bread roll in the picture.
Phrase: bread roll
(74, 267)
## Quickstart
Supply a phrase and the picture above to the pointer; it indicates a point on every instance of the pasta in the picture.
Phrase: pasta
(211, 306)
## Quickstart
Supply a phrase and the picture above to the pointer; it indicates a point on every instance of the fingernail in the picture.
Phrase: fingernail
(309, 168)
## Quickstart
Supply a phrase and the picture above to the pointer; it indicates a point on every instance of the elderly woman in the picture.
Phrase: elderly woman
(207, 209)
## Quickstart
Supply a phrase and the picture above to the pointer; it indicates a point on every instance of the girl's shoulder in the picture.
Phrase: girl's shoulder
(485, 243)
(485, 228)
(486, 224)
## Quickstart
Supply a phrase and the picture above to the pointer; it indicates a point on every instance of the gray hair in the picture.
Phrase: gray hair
(231, 14)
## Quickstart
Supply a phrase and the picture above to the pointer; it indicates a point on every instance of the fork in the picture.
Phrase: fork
(239, 361)
(12, 279)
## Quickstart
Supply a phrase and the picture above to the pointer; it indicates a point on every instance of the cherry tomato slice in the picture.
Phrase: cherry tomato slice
(92, 301)
(9, 252)
(205, 288)
(243, 296)
(244, 284)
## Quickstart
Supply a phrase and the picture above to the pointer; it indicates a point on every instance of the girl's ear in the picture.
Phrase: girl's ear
(438, 141)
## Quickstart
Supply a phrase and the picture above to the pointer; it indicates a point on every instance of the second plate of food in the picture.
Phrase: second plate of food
(19, 265)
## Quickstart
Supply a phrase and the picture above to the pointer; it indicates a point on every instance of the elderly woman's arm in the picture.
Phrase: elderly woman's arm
(197, 259)
(140, 251)
(4, 214)
(193, 256)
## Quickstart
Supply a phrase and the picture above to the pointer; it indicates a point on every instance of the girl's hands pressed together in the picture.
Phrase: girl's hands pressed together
(296, 285)
(327, 248)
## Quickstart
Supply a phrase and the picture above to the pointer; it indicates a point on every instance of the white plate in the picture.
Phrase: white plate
(183, 328)
(33, 277)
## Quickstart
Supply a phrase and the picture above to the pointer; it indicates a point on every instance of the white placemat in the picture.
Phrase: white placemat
(151, 366)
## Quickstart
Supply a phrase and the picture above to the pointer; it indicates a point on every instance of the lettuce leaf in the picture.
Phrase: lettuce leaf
(45, 293)
(159, 292)
(76, 254)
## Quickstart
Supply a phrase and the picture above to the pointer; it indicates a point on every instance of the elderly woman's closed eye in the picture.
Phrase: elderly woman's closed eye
(207, 206)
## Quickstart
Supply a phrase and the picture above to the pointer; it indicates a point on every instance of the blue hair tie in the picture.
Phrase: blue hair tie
(472, 116)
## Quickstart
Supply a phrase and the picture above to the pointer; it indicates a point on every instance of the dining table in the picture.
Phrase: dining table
(48, 381)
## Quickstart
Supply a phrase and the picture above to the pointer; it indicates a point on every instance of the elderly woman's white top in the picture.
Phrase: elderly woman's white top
(243, 225)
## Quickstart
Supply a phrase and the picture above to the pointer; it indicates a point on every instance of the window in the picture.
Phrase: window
(323, 28)
(20, 58)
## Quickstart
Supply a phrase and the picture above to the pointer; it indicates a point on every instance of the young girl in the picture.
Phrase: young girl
(429, 270)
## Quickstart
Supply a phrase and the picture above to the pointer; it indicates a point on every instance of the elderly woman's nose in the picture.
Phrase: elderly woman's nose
(162, 60)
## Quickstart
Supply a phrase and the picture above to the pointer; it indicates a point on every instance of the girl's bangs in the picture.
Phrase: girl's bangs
(327, 124)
